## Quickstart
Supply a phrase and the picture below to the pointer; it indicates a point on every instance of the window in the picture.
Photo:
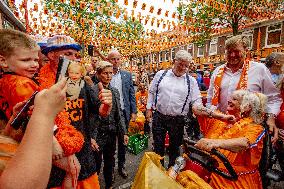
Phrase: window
(173, 53)
(273, 35)
(167, 55)
(200, 51)
(249, 35)
(213, 46)
(161, 56)
(154, 57)
(190, 49)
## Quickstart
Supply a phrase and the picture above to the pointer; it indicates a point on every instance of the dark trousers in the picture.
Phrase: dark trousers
(121, 147)
(280, 155)
(175, 127)
(106, 154)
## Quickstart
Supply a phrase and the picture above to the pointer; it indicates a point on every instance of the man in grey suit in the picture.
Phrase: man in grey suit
(122, 81)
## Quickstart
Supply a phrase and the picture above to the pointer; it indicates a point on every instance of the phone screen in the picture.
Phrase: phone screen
(62, 68)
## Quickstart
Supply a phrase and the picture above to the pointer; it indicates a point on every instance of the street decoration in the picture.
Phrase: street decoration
(120, 23)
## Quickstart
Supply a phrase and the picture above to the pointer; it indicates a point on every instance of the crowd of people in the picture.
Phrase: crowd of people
(80, 120)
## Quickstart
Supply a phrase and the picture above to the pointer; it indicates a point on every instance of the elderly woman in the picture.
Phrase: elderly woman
(241, 142)
(109, 127)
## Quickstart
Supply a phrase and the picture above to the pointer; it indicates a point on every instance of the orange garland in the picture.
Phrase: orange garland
(70, 139)
(217, 82)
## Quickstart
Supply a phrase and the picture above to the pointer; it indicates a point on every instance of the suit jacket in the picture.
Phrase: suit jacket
(128, 94)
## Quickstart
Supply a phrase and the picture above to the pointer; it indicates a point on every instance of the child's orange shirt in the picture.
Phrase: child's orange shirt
(15, 89)
(141, 100)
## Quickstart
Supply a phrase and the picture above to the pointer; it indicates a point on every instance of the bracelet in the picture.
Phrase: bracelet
(268, 115)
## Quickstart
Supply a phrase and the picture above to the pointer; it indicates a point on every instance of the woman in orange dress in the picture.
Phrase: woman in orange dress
(241, 142)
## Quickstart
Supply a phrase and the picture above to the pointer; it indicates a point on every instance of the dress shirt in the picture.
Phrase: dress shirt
(259, 80)
(172, 93)
(116, 82)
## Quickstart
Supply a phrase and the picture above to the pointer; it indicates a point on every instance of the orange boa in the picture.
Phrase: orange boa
(70, 139)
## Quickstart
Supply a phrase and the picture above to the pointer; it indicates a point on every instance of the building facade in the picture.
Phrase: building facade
(264, 37)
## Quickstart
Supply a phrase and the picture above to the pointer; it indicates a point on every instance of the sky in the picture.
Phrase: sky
(163, 4)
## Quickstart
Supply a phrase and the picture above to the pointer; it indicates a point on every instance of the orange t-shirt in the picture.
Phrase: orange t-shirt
(14, 89)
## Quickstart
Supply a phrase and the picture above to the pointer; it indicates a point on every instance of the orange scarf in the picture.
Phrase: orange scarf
(46, 77)
(243, 82)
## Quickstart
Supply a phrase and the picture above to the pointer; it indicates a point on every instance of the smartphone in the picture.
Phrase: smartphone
(62, 68)
(91, 50)
(60, 64)
(21, 117)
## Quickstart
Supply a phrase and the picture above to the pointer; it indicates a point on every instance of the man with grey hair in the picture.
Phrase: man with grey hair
(122, 81)
(170, 95)
(239, 73)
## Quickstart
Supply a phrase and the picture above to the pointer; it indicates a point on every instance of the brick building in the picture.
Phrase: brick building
(264, 38)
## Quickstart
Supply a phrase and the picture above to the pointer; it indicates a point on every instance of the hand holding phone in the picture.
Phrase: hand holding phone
(21, 116)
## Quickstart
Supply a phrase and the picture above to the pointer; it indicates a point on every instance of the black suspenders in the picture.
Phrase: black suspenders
(157, 89)
(188, 89)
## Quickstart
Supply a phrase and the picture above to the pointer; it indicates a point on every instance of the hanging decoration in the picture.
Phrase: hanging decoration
(119, 23)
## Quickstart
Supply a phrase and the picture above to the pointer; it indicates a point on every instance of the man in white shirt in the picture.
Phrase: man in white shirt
(239, 73)
(170, 94)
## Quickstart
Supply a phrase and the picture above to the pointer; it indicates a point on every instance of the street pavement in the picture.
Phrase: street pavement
(132, 164)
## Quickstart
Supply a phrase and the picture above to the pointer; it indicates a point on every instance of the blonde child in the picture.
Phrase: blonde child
(19, 57)
(75, 79)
